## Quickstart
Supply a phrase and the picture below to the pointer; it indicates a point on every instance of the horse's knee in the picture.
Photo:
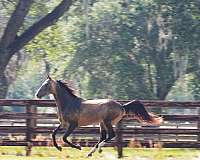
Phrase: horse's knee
(53, 135)
(111, 135)
(65, 139)
(103, 135)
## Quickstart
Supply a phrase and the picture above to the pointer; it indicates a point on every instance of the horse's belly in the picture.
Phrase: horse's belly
(89, 120)
(90, 116)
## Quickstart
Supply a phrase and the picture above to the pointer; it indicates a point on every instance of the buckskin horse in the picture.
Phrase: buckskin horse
(73, 112)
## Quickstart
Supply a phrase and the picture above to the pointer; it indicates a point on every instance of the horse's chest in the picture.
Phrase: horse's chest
(62, 121)
(65, 119)
(61, 118)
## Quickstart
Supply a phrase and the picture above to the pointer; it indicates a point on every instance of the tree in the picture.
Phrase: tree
(105, 58)
(151, 43)
(13, 39)
(135, 49)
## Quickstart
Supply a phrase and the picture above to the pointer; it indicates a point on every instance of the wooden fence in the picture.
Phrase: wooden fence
(33, 126)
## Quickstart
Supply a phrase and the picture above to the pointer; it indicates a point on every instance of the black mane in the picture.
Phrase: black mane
(68, 101)
(65, 85)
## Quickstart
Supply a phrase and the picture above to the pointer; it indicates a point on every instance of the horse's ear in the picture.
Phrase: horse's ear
(48, 77)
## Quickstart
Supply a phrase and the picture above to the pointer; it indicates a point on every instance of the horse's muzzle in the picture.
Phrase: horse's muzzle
(38, 96)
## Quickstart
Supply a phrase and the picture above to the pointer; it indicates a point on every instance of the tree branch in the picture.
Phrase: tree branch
(15, 22)
(39, 26)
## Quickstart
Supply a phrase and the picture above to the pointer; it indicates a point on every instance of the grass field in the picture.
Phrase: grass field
(50, 153)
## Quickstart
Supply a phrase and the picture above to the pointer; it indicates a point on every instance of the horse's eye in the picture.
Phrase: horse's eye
(46, 85)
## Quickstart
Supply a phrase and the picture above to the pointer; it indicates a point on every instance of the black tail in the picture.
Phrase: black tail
(137, 109)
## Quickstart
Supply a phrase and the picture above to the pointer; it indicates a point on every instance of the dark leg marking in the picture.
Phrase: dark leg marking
(111, 133)
(102, 138)
(54, 138)
(70, 129)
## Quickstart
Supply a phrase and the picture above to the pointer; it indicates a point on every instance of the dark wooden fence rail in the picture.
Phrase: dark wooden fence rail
(33, 128)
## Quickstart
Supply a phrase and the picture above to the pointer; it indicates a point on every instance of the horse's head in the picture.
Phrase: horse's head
(46, 88)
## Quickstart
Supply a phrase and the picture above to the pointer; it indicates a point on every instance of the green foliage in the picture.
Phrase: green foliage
(121, 49)
(106, 54)
(28, 81)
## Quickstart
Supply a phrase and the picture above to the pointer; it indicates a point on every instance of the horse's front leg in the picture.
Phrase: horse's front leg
(54, 138)
(70, 129)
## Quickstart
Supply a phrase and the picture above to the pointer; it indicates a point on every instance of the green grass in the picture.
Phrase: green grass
(50, 153)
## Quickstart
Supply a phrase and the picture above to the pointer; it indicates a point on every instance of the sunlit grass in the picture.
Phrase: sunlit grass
(44, 153)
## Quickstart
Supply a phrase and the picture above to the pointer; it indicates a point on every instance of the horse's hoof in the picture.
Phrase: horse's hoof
(89, 155)
(59, 148)
(78, 146)
(100, 150)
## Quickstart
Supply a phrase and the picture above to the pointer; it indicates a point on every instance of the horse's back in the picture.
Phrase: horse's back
(100, 104)
(96, 101)
(94, 111)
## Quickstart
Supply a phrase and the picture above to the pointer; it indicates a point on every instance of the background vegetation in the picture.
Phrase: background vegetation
(121, 49)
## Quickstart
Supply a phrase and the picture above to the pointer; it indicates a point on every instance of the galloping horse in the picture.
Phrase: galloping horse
(74, 112)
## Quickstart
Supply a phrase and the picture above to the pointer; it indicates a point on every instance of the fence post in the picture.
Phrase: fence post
(30, 124)
(119, 139)
(198, 124)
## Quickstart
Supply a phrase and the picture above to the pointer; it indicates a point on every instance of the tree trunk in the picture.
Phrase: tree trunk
(10, 43)
(162, 89)
(164, 75)
(3, 78)
(3, 85)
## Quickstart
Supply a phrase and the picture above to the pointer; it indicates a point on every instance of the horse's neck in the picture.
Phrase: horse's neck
(66, 104)
(58, 105)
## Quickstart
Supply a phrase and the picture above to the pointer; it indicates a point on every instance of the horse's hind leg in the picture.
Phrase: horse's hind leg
(110, 131)
(102, 138)
(54, 138)
(70, 129)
